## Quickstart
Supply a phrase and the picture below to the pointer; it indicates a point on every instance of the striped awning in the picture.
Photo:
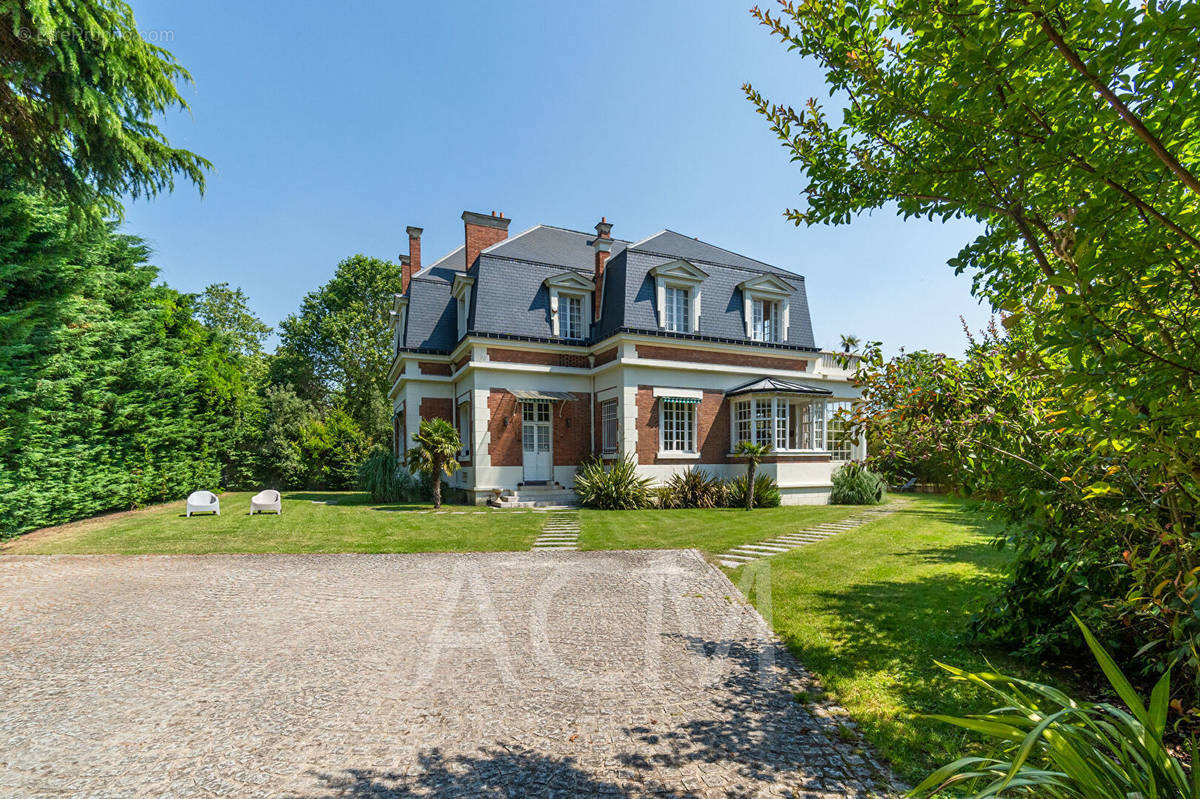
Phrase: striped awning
(684, 400)
(524, 395)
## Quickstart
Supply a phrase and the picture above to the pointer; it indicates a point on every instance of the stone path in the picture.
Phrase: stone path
(561, 531)
(626, 674)
(745, 553)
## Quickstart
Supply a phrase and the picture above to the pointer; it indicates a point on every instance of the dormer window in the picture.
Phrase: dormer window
(570, 305)
(461, 290)
(679, 309)
(677, 296)
(766, 303)
(766, 320)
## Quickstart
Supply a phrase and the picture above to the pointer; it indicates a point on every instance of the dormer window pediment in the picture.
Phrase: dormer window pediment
(570, 308)
(678, 296)
(766, 306)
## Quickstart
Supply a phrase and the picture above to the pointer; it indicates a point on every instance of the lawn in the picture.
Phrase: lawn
(870, 610)
(712, 531)
(311, 522)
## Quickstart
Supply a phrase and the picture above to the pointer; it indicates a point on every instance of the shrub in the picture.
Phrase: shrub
(377, 475)
(855, 484)
(766, 491)
(695, 488)
(616, 488)
(663, 497)
(1049, 744)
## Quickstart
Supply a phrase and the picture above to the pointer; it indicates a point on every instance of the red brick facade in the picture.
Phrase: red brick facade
(712, 428)
(437, 408)
(571, 429)
(461, 362)
(608, 356)
(433, 368)
(504, 441)
(722, 358)
(540, 358)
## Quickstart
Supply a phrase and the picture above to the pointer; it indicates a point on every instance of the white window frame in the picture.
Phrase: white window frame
(767, 288)
(677, 314)
(769, 419)
(570, 284)
(567, 300)
(766, 319)
(689, 422)
(606, 447)
(464, 429)
(679, 275)
(837, 442)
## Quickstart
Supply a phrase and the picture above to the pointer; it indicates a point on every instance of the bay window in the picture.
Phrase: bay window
(782, 423)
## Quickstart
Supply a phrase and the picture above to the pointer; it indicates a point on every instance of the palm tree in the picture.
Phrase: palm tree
(434, 454)
(753, 453)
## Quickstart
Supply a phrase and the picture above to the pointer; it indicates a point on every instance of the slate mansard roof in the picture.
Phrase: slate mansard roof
(510, 299)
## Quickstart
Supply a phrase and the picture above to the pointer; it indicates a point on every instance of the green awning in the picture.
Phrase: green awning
(524, 395)
(686, 400)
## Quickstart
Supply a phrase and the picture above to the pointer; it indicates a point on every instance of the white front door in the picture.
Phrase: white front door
(535, 441)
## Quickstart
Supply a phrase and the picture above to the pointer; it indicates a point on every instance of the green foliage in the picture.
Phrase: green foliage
(383, 476)
(78, 97)
(1048, 744)
(618, 487)
(765, 495)
(753, 453)
(694, 488)
(855, 484)
(331, 450)
(111, 394)
(435, 453)
(1069, 132)
(340, 342)
(226, 311)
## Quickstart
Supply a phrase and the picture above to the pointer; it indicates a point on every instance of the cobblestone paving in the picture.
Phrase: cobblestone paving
(499, 674)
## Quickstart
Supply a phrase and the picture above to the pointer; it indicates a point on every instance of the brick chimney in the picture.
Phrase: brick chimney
(482, 231)
(410, 264)
(603, 247)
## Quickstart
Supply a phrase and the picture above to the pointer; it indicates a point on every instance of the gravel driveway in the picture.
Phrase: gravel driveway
(501, 674)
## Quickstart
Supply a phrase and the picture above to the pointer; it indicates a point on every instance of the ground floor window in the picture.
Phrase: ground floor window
(464, 429)
(678, 427)
(608, 426)
(837, 437)
(782, 423)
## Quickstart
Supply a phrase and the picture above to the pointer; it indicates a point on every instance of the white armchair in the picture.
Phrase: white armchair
(203, 502)
(266, 500)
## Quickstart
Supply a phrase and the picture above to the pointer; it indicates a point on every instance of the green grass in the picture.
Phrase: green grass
(871, 609)
(351, 524)
(713, 531)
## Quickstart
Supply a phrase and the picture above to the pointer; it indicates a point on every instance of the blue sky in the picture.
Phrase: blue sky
(333, 126)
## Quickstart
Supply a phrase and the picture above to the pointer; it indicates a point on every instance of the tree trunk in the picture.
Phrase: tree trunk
(437, 484)
(750, 470)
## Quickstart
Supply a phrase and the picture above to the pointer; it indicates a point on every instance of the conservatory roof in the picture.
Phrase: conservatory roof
(773, 385)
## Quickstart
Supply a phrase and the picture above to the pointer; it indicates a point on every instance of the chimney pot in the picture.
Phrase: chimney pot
(482, 231)
(602, 245)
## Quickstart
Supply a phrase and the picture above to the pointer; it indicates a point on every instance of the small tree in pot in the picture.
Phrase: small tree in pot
(753, 453)
(437, 446)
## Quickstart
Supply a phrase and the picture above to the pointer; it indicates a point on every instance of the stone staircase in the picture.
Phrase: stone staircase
(536, 497)
(741, 555)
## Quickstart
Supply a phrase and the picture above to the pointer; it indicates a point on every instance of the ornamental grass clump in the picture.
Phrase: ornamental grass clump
(1048, 744)
(619, 487)
(855, 484)
(695, 488)
(766, 492)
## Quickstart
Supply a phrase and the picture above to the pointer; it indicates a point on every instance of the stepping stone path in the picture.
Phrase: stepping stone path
(745, 553)
(561, 531)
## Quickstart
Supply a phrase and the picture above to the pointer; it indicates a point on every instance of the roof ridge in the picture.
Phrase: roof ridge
(722, 249)
(771, 270)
